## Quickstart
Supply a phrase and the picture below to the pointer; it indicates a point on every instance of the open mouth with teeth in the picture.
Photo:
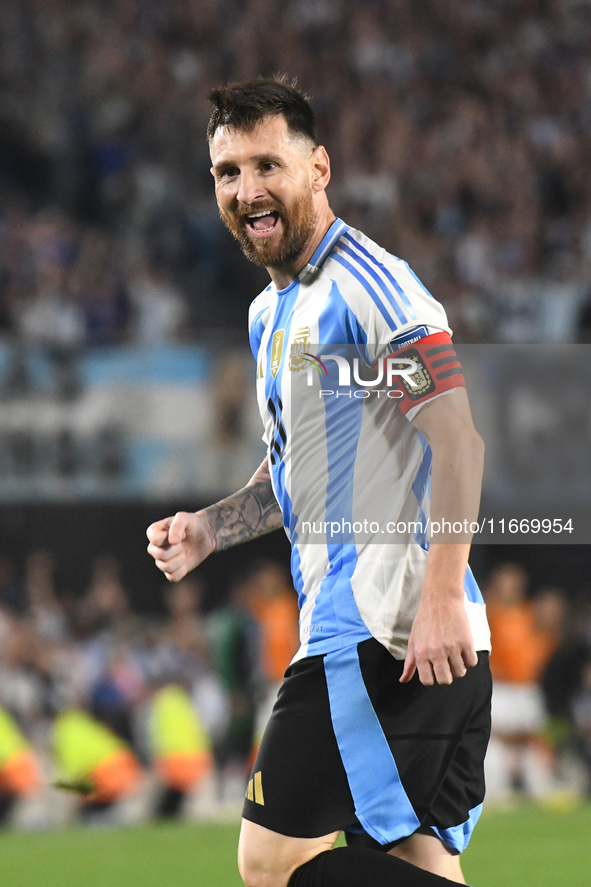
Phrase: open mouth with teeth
(263, 222)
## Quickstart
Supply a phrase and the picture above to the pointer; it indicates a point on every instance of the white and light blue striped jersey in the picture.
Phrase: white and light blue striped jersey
(345, 459)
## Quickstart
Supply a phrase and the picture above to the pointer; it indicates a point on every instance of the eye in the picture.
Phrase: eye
(268, 166)
(229, 173)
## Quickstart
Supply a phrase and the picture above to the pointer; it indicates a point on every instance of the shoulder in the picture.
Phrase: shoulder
(380, 289)
(260, 304)
(258, 317)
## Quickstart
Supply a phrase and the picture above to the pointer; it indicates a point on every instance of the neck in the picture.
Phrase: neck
(283, 275)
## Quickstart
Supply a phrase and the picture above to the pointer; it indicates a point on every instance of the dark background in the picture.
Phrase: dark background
(78, 533)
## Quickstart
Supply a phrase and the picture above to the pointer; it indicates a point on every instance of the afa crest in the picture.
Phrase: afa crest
(424, 383)
(301, 344)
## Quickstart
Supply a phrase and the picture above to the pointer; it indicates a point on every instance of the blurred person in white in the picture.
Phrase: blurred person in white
(159, 310)
(50, 315)
(45, 610)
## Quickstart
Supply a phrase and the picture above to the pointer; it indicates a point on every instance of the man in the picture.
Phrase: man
(382, 722)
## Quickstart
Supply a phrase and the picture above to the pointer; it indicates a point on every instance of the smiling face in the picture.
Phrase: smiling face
(269, 187)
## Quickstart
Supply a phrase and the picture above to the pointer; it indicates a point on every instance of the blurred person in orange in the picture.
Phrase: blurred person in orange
(525, 633)
(271, 599)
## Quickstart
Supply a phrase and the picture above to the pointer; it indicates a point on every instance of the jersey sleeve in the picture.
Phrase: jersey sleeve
(391, 312)
(422, 314)
(386, 301)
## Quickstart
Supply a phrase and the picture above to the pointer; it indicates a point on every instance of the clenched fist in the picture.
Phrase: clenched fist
(178, 544)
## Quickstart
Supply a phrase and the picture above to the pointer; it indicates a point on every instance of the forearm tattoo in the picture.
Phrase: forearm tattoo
(249, 513)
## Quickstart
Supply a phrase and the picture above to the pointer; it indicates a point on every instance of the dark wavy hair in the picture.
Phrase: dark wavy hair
(242, 106)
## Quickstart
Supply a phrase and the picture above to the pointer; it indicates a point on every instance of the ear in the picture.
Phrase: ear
(320, 166)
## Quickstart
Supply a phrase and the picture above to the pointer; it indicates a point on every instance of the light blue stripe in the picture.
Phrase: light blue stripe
(340, 324)
(458, 836)
(335, 618)
(381, 803)
(336, 230)
(380, 305)
(471, 587)
(419, 487)
(390, 277)
(396, 307)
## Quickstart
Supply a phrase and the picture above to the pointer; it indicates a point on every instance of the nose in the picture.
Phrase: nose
(250, 188)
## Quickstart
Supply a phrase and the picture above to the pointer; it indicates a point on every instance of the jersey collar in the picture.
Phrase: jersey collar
(335, 231)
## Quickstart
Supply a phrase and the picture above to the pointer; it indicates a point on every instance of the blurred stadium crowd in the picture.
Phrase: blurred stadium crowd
(460, 135)
(161, 716)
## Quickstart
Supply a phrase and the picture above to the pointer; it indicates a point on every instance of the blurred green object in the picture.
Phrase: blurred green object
(77, 786)
(513, 848)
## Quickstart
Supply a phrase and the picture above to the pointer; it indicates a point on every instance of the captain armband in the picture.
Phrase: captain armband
(438, 370)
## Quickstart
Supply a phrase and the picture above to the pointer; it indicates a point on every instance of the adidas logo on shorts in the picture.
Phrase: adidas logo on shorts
(254, 791)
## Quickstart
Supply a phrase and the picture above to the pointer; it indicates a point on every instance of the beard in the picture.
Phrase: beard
(298, 229)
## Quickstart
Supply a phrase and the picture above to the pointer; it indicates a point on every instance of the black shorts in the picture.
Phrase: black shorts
(348, 747)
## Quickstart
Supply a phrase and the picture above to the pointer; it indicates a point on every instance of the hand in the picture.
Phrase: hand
(179, 543)
(440, 646)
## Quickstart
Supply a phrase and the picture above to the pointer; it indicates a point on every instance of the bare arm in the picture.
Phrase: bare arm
(178, 544)
(440, 644)
(251, 512)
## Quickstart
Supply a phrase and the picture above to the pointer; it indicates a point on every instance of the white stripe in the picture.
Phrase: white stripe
(314, 566)
(478, 624)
